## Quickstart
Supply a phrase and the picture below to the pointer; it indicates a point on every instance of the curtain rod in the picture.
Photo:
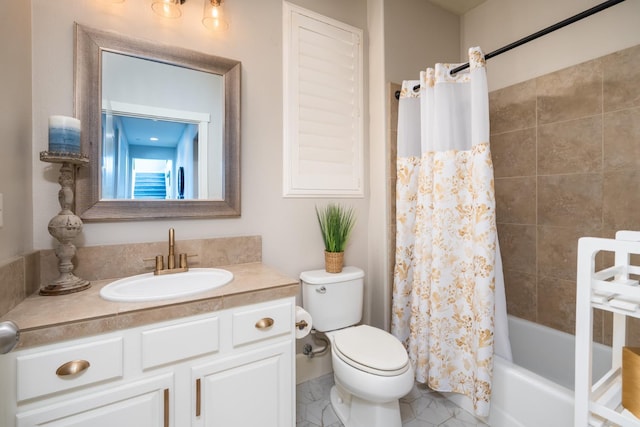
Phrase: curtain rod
(543, 32)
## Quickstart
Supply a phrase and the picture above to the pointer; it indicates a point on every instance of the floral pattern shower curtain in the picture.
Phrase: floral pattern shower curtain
(446, 243)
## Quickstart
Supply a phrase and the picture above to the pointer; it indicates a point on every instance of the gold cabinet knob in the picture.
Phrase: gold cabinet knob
(264, 323)
(72, 368)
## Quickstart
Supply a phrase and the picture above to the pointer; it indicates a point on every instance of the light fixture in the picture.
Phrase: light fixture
(167, 8)
(213, 17)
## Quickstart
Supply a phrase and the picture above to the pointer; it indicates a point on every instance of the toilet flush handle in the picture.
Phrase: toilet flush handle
(321, 290)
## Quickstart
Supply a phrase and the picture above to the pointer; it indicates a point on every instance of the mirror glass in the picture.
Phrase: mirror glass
(160, 126)
(149, 134)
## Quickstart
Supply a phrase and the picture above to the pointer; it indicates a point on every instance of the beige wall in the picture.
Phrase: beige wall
(15, 124)
(291, 240)
(377, 299)
(417, 35)
(497, 23)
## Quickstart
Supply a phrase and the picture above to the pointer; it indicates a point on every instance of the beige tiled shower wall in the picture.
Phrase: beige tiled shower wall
(566, 154)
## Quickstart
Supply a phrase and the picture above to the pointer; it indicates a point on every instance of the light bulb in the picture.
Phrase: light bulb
(167, 8)
(213, 16)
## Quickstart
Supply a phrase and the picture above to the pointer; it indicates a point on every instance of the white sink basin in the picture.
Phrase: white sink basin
(149, 287)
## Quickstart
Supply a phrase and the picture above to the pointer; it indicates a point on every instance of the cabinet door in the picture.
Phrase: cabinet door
(250, 389)
(142, 404)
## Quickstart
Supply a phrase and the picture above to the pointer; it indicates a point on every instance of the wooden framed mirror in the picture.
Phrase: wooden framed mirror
(122, 84)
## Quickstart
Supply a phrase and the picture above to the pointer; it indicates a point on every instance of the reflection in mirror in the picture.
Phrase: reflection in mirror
(141, 157)
(160, 126)
(168, 133)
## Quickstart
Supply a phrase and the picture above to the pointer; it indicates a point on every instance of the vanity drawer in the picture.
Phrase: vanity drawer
(94, 362)
(173, 343)
(265, 322)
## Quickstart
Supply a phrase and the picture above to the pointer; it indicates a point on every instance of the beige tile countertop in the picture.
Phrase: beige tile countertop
(48, 319)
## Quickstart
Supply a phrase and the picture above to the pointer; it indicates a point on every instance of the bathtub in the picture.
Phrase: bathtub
(537, 388)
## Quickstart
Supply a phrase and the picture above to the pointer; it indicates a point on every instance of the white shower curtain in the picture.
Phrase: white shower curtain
(448, 294)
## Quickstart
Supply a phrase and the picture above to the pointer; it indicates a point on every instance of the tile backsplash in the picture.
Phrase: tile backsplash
(22, 276)
(18, 279)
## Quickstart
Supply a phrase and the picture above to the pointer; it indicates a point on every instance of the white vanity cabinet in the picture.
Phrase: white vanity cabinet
(144, 403)
(231, 367)
(251, 387)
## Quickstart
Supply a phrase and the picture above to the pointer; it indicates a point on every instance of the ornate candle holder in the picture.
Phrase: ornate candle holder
(65, 226)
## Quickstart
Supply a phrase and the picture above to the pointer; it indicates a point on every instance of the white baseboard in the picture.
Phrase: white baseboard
(310, 368)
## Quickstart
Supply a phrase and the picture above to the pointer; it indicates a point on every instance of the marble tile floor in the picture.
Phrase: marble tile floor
(420, 408)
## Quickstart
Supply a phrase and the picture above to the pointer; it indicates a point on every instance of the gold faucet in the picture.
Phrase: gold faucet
(171, 259)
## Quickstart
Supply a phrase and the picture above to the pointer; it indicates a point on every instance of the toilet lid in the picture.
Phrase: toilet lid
(371, 349)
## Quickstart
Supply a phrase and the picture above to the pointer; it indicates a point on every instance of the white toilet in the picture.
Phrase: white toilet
(371, 367)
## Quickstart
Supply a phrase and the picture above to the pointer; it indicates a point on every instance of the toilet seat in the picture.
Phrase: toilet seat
(371, 350)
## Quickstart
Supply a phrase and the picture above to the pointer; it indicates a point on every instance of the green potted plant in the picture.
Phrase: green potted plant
(336, 223)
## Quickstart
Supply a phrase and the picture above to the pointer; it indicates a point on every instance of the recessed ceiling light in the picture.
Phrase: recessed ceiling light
(153, 138)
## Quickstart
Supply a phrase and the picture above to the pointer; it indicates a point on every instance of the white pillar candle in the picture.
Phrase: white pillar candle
(64, 134)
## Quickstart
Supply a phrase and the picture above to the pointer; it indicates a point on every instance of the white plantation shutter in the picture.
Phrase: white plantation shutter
(322, 106)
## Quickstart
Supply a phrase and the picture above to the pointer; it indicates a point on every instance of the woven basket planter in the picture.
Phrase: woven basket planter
(333, 261)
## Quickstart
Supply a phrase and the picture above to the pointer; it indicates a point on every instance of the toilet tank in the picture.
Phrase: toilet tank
(334, 300)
